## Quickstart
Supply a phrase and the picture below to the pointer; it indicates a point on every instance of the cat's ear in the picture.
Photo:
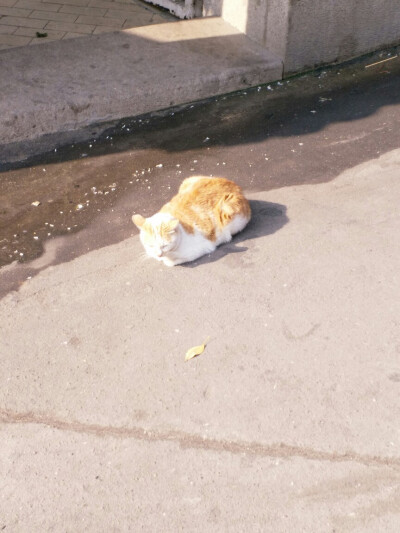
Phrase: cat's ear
(172, 225)
(138, 220)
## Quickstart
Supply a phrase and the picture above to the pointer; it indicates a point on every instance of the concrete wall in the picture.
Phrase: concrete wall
(324, 31)
(308, 33)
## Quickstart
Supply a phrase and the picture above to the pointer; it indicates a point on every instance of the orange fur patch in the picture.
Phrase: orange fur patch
(207, 204)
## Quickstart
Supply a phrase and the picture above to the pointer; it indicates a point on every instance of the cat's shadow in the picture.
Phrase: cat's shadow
(266, 218)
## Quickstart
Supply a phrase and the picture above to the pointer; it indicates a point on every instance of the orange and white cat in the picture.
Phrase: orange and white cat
(205, 213)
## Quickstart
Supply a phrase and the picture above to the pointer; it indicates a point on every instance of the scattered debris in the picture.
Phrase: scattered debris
(40, 35)
(35, 203)
(196, 350)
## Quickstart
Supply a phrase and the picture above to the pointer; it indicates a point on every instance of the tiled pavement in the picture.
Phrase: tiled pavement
(28, 22)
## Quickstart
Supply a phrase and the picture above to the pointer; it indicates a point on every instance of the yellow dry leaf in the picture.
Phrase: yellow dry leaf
(196, 350)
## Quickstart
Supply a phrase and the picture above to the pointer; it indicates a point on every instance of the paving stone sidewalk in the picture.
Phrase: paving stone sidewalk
(28, 22)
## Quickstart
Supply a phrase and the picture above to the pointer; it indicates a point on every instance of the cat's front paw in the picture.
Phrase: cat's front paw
(168, 262)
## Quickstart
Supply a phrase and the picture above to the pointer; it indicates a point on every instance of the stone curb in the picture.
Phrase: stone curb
(68, 85)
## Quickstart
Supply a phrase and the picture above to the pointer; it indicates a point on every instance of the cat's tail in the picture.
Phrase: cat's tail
(231, 205)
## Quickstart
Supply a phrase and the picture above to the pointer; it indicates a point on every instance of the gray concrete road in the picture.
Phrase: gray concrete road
(289, 421)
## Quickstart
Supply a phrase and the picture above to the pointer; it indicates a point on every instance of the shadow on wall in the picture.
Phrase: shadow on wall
(266, 219)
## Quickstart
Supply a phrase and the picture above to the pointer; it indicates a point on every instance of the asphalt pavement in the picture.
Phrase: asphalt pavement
(289, 420)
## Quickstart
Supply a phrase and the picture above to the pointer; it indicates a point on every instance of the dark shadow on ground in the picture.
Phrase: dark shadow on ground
(303, 131)
(266, 219)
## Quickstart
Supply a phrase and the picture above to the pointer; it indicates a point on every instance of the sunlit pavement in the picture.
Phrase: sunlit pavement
(289, 419)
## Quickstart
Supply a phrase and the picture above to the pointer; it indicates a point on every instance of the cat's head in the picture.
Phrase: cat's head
(159, 234)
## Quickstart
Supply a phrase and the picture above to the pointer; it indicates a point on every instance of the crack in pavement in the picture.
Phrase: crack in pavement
(190, 441)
